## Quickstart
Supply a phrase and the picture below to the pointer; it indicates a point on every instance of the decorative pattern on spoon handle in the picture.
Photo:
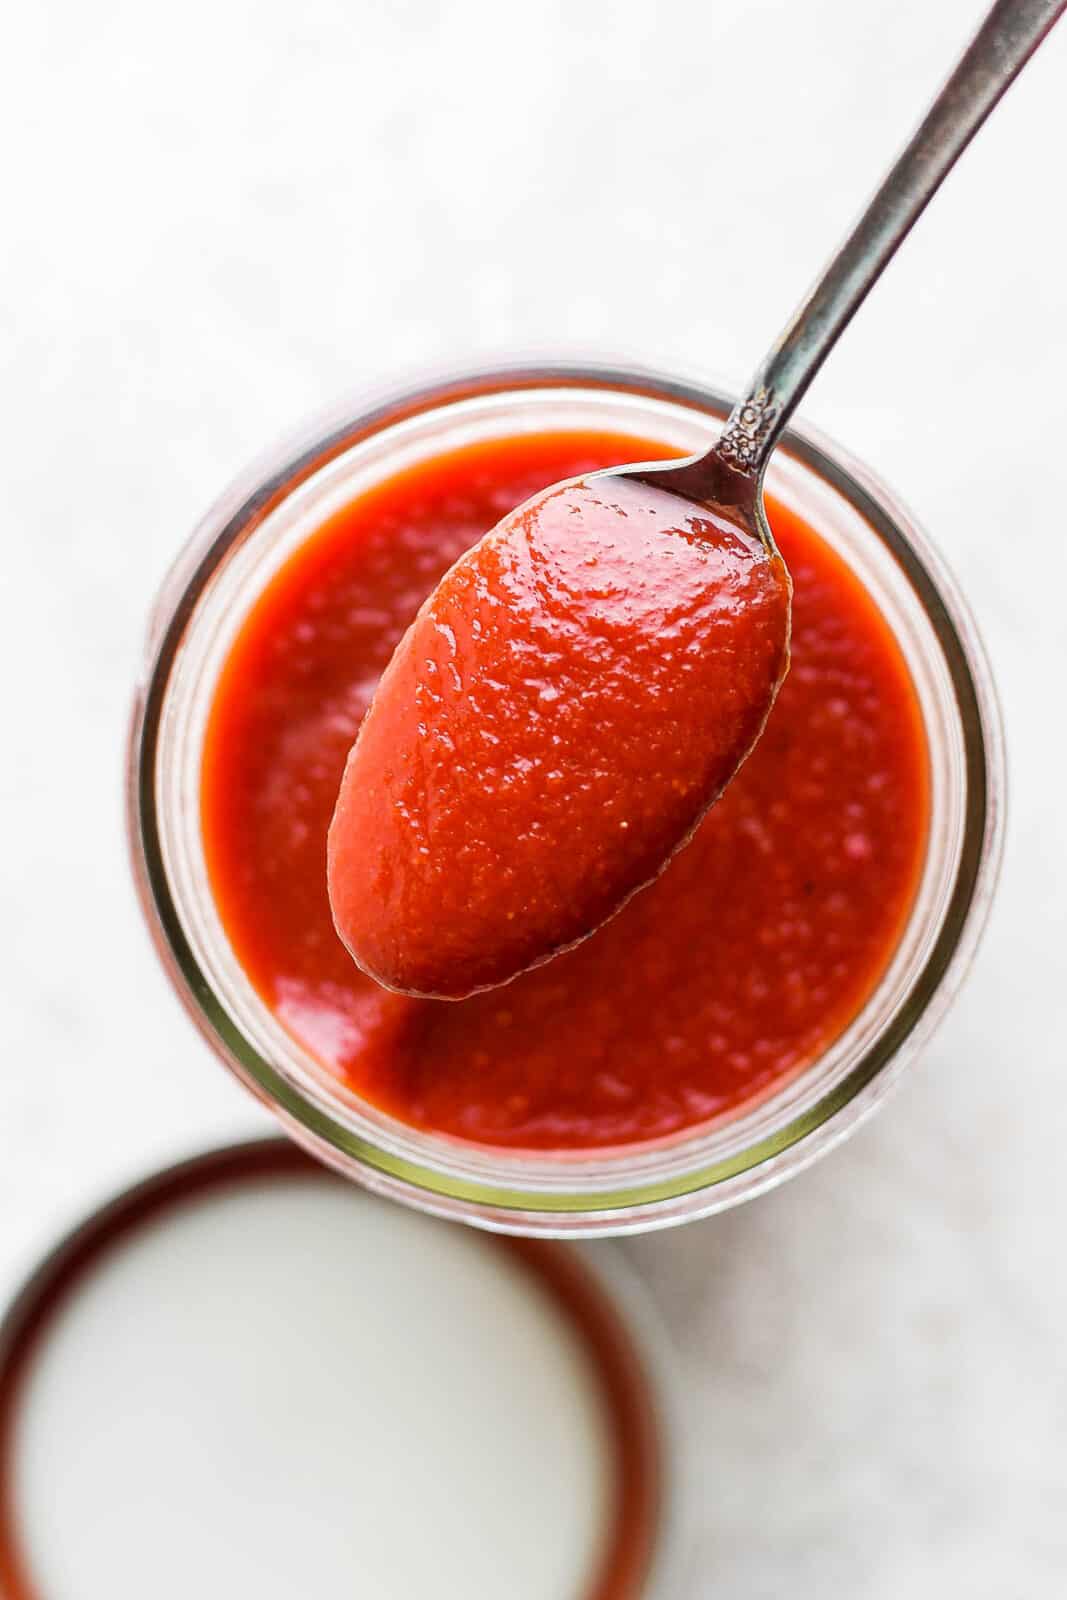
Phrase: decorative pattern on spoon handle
(747, 427)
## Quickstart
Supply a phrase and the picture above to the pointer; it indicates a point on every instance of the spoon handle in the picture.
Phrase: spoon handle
(999, 50)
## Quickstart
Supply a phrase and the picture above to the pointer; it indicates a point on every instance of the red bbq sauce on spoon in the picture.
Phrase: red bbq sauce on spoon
(570, 700)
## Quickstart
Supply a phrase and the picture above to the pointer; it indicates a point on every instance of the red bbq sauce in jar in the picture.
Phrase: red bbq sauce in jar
(712, 987)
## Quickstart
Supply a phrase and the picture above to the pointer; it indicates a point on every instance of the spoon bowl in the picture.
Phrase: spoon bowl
(574, 695)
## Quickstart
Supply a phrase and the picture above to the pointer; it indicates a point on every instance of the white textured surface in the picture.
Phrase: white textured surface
(219, 216)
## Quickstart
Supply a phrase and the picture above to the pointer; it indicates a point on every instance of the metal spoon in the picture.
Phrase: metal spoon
(479, 832)
(729, 476)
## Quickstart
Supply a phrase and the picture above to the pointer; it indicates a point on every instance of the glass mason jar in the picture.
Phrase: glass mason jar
(243, 541)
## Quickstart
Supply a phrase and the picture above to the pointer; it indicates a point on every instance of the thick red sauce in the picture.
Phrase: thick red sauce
(567, 704)
(752, 952)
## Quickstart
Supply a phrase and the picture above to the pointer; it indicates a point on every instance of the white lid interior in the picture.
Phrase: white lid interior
(285, 1387)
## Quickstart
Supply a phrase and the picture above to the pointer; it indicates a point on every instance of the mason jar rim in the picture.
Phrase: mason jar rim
(543, 1201)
